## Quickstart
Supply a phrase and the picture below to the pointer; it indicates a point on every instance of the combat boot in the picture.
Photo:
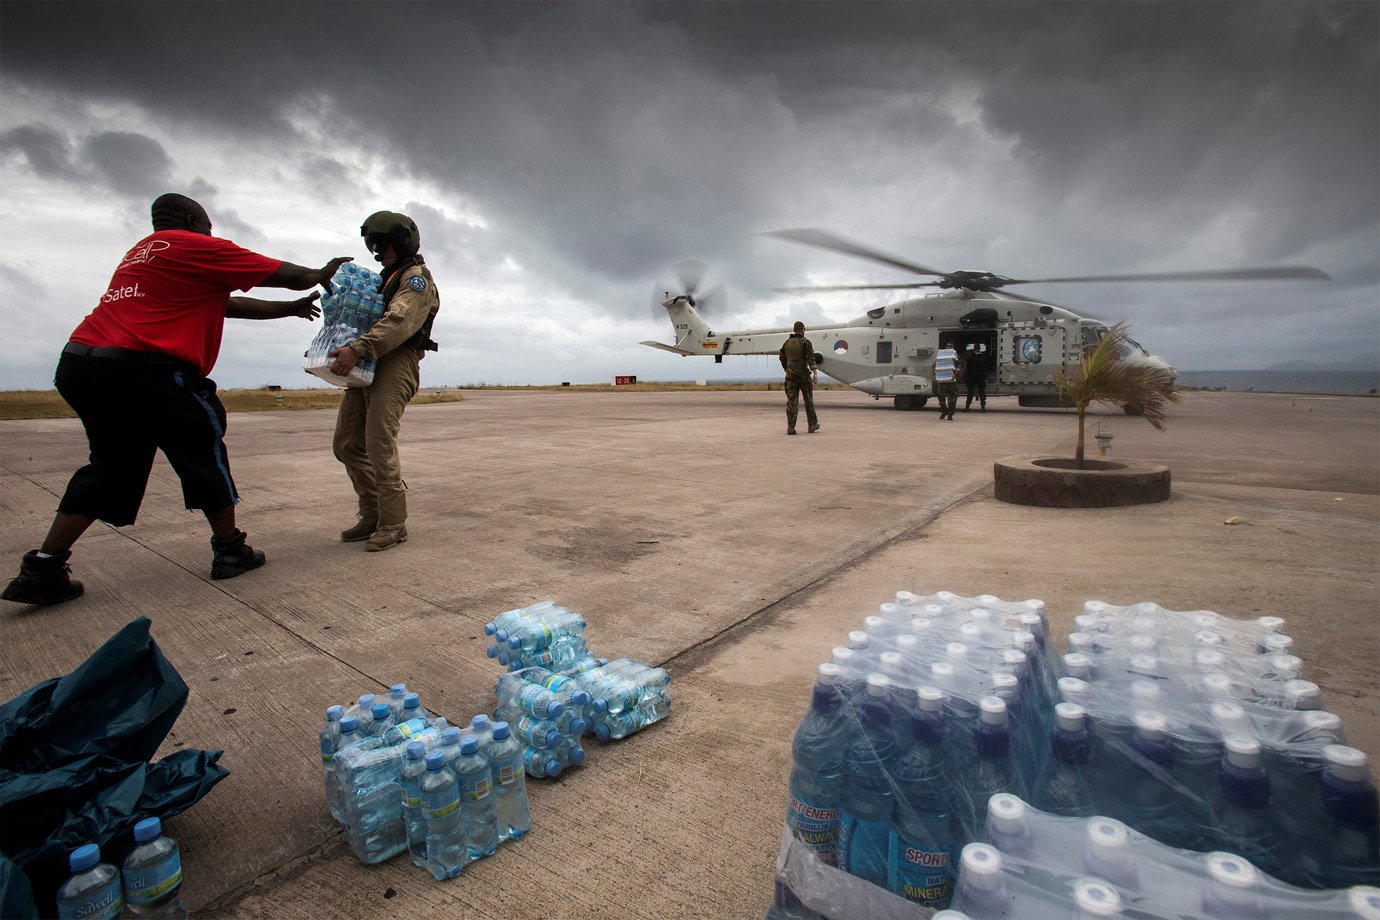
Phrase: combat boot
(232, 556)
(387, 537)
(360, 532)
(43, 581)
(814, 428)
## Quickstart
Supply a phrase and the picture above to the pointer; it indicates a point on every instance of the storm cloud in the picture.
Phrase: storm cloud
(559, 158)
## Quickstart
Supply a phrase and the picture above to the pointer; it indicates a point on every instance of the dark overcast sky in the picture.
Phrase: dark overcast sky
(559, 158)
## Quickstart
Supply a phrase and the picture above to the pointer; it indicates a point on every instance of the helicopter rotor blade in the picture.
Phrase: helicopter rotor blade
(855, 287)
(809, 236)
(1281, 273)
(713, 302)
(689, 273)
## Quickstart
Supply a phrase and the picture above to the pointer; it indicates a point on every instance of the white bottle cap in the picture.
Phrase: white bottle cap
(906, 598)
(1209, 659)
(1096, 899)
(956, 650)
(970, 631)
(1347, 763)
(930, 611)
(1208, 637)
(1014, 658)
(1145, 664)
(1217, 687)
(1080, 642)
(1109, 845)
(1022, 640)
(1031, 621)
(1321, 721)
(992, 710)
(1143, 645)
(889, 610)
(1004, 682)
(1076, 664)
(1205, 619)
(877, 685)
(1151, 725)
(828, 673)
(1145, 693)
(844, 657)
(988, 600)
(1242, 751)
(1270, 624)
(891, 661)
(921, 625)
(947, 597)
(981, 615)
(1072, 690)
(1303, 694)
(1094, 607)
(1070, 716)
(1145, 626)
(1088, 622)
(1230, 718)
(1364, 901)
(1285, 666)
(1006, 813)
(1231, 871)
(981, 866)
(1277, 642)
(873, 625)
(943, 671)
(858, 640)
(908, 643)
(1036, 606)
(931, 699)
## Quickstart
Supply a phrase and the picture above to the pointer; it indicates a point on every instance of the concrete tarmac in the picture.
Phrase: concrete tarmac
(691, 532)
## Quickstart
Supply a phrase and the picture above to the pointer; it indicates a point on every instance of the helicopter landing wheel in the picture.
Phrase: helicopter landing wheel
(910, 402)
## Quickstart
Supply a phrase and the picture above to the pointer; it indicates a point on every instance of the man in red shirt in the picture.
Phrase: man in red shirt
(135, 372)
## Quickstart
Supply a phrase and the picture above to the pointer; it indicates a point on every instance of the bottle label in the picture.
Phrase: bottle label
(507, 773)
(151, 883)
(816, 824)
(924, 872)
(410, 727)
(475, 788)
(440, 802)
(105, 904)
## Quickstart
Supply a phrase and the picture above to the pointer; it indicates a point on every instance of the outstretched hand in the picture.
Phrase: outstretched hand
(306, 306)
(329, 270)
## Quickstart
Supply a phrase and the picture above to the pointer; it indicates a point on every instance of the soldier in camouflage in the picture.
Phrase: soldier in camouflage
(366, 430)
(798, 360)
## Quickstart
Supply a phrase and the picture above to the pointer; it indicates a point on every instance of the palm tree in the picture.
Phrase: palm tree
(1144, 391)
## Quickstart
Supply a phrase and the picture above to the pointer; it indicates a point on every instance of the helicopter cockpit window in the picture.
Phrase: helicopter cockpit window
(877, 313)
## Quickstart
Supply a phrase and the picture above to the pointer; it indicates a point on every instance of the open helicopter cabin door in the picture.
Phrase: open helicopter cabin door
(1030, 352)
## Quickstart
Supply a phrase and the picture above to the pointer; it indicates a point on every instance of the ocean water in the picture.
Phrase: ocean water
(1346, 382)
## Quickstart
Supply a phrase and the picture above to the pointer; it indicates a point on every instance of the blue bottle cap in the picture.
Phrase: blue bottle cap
(602, 732)
(412, 701)
(450, 735)
(577, 754)
(397, 691)
(148, 829)
(516, 664)
(380, 711)
(501, 635)
(481, 722)
(514, 642)
(435, 761)
(84, 857)
(580, 698)
(554, 710)
(348, 724)
(553, 767)
(504, 660)
(334, 713)
(469, 745)
(416, 750)
(490, 629)
(553, 738)
(491, 651)
(578, 727)
(366, 702)
(501, 731)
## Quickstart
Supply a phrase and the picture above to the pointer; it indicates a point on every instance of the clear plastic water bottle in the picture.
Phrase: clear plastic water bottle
(816, 782)
(1144, 795)
(1064, 785)
(413, 709)
(475, 778)
(1107, 853)
(1345, 849)
(992, 768)
(446, 853)
(509, 784)
(153, 874)
(449, 745)
(1095, 900)
(330, 743)
(531, 698)
(396, 695)
(982, 892)
(1232, 889)
(924, 829)
(482, 727)
(1242, 817)
(865, 816)
(93, 890)
(381, 720)
(539, 763)
(410, 779)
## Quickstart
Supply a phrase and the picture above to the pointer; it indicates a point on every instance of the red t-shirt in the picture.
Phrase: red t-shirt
(169, 295)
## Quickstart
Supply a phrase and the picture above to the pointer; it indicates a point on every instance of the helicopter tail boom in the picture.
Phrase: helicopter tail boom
(693, 335)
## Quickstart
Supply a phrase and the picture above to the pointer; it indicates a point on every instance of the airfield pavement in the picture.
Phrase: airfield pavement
(691, 533)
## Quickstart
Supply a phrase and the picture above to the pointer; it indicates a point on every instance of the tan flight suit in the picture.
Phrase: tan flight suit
(366, 430)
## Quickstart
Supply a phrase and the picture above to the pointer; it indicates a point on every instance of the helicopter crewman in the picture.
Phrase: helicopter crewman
(944, 371)
(974, 372)
(798, 360)
(366, 429)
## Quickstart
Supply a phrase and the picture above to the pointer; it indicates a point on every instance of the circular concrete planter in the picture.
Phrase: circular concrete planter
(1055, 483)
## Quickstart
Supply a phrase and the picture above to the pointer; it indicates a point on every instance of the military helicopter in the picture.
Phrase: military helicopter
(888, 351)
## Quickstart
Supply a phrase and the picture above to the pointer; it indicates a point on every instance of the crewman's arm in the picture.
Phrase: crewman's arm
(407, 311)
(299, 278)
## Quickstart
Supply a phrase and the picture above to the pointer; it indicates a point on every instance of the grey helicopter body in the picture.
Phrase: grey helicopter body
(888, 351)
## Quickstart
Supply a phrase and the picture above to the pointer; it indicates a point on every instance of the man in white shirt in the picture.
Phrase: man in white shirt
(944, 372)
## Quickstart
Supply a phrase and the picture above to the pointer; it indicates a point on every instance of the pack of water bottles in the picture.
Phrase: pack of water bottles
(149, 883)
(556, 692)
(1176, 725)
(349, 310)
(1035, 864)
(398, 778)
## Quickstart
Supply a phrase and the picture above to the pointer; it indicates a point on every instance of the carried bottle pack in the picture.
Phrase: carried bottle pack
(351, 309)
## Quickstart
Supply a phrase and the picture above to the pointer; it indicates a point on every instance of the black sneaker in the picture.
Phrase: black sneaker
(43, 581)
(232, 556)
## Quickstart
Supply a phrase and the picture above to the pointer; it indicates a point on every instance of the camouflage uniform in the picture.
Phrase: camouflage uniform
(798, 359)
(366, 429)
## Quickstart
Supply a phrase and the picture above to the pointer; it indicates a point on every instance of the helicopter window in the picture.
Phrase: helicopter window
(840, 347)
(883, 352)
(877, 313)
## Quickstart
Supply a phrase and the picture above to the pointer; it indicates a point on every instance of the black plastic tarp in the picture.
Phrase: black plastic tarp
(74, 759)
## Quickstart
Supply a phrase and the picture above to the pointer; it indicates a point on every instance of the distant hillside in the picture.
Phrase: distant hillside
(1366, 362)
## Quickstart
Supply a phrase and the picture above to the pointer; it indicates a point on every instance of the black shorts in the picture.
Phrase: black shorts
(131, 408)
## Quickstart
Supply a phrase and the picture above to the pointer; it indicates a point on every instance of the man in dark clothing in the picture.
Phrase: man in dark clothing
(135, 372)
(975, 375)
(798, 360)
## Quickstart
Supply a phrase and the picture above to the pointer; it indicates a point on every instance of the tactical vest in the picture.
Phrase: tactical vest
(421, 339)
